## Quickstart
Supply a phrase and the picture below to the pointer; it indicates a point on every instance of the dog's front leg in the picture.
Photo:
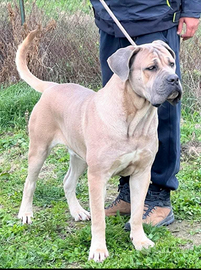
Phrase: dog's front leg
(97, 187)
(138, 190)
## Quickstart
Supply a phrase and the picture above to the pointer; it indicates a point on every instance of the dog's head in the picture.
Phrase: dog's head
(150, 68)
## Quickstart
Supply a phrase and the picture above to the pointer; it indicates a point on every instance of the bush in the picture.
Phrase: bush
(66, 51)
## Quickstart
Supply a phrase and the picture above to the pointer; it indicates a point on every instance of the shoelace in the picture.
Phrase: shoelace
(148, 209)
(117, 200)
(154, 199)
(123, 193)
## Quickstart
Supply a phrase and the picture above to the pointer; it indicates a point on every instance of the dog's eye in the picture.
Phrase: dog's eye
(152, 68)
(172, 64)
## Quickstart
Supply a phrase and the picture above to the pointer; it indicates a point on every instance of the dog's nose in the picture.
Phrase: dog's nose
(173, 79)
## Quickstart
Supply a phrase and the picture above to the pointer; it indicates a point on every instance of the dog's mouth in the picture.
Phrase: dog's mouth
(174, 98)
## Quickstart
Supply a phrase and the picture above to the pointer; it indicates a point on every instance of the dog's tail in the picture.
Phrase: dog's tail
(22, 68)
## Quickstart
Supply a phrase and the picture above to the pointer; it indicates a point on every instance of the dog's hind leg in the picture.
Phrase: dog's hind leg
(37, 156)
(76, 168)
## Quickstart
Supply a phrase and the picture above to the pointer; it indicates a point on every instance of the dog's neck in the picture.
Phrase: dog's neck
(132, 101)
(132, 110)
(139, 110)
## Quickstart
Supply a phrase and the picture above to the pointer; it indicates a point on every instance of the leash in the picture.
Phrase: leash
(117, 22)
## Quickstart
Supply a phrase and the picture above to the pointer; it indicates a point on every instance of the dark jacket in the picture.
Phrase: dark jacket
(140, 17)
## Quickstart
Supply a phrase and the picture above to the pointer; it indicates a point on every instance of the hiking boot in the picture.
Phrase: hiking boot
(122, 203)
(157, 208)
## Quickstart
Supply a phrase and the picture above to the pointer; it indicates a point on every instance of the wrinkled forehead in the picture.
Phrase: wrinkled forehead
(150, 52)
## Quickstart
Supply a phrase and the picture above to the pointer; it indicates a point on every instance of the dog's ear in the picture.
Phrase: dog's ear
(119, 62)
(160, 42)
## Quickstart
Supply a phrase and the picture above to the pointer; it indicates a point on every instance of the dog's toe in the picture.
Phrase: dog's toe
(81, 215)
(26, 218)
(143, 243)
(98, 255)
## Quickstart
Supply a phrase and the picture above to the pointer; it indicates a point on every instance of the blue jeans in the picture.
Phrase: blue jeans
(167, 161)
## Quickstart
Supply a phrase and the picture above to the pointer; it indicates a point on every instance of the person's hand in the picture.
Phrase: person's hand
(189, 25)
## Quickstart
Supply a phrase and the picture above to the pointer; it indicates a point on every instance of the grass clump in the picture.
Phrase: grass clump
(16, 104)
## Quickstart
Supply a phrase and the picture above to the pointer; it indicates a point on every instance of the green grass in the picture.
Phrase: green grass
(54, 239)
(16, 102)
(54, 8)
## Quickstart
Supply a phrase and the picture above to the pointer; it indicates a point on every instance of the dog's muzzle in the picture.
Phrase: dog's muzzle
(174, 90)
(174, 98)
(174, 83)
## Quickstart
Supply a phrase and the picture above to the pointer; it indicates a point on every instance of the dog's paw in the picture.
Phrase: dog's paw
(25, 218)
(141, 243)
(80, 214)
(98, 255)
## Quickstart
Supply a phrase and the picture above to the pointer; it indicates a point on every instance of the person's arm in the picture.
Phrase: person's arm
(189, 20)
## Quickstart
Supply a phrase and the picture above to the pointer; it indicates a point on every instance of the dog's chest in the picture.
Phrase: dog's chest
(133, 162)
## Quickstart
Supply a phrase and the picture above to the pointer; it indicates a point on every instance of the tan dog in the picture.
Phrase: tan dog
(112, 132)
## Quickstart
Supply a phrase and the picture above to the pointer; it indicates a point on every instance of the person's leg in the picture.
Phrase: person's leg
(158, 209)
(167, 161)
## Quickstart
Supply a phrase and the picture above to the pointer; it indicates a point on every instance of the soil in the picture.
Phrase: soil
(187, 230)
